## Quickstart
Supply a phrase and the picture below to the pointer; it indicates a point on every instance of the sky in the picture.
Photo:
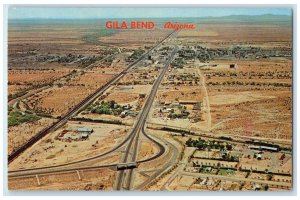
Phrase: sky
(27, 12)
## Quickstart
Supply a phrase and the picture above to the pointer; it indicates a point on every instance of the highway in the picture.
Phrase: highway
(74, 111)
(124, 180)
(173, 150)
(56, 169)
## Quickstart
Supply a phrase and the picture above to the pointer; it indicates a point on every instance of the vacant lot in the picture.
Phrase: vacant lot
(254, 99)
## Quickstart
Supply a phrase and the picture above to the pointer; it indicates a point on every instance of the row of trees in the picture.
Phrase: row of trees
(207, 144)
(108, 108)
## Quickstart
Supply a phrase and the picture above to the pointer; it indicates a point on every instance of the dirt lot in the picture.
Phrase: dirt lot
(127, 94)
(147, 150)
(264, 117)
(51, 151)
(256, 103)
(182, 93)
(101, 179)
(17, 135)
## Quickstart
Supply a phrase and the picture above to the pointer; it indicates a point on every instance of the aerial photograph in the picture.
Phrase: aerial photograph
(149, 99)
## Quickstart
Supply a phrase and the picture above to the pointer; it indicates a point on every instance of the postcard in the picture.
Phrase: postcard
(149, 98)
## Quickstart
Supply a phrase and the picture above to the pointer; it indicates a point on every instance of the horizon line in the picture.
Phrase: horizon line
(53, 18)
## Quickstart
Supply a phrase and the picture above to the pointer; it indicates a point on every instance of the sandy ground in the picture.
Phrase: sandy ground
(101, 179)
(35, 77)
(242, 110)
(51, 151)
(18, 135)
(134, 37)
(12, 89)
(238, 33)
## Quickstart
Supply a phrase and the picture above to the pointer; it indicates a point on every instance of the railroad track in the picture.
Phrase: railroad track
(89, 99)
(39, 171)
(132, 138)
(133, 143)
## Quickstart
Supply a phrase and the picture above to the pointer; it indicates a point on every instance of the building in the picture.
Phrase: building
(275, 149)
(84, 136)
(132, 113)
(269, 148)
(85, 130)
(197, 106)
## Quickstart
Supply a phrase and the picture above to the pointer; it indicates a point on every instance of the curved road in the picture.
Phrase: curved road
(89, 99)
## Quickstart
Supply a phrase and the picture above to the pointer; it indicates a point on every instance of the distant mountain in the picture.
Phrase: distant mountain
(232, 19)
(245, 19)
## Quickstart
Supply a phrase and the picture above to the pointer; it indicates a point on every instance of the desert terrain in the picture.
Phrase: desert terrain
(208, 109)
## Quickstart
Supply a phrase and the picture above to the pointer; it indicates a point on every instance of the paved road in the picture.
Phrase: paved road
(124, 180)
(89, 99)
(172, 160)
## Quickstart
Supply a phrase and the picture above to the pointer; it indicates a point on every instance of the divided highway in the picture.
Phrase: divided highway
(89, 99)
(124, 180)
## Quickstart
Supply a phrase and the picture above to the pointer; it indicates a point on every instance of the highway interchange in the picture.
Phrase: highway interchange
(131, 141)
(125, 176)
